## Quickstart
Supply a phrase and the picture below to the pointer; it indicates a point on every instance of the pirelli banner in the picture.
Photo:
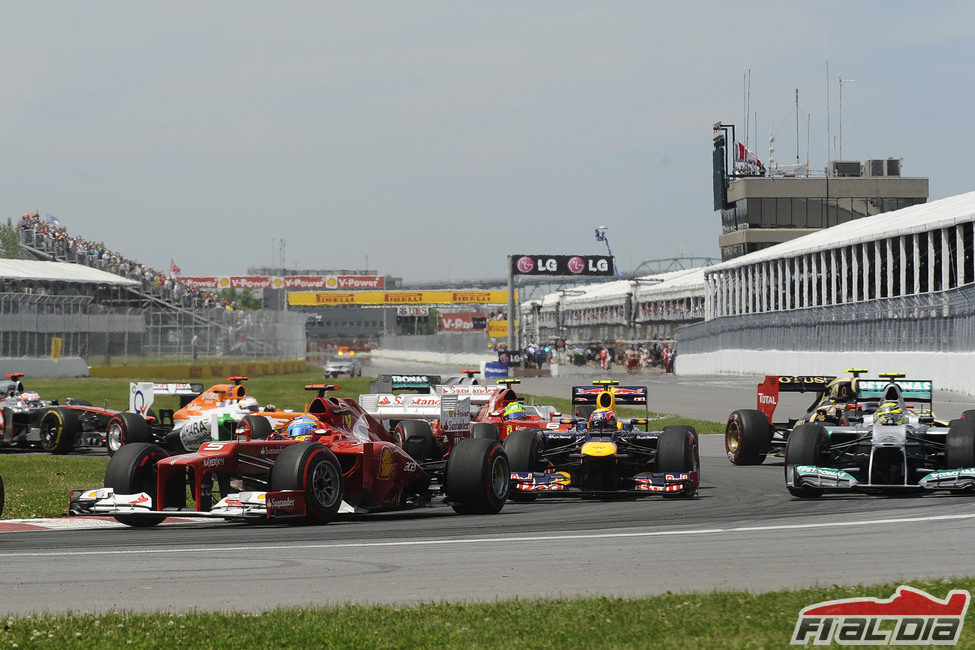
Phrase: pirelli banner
(395, 298)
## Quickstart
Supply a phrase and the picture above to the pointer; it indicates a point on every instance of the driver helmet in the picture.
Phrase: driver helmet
(303, 426)
(248, 404)
(514, 411)
(602, 419)
(889, 414)
(30, 397)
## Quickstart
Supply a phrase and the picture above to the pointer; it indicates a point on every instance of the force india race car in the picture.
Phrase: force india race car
(338, 455)
(604, 456)
(751, 434)
(898, 447)
(211, 415)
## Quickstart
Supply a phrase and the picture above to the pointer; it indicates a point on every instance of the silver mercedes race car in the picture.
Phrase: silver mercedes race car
(897, 446)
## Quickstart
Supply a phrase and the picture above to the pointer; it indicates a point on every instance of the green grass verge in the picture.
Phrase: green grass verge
(37, 485)
(716, 620)
(565, 405)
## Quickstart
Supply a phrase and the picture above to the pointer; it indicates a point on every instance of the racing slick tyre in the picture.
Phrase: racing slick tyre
(1, 496)
(960, 443)
(677, 452)
(485, 430)
(256, 427)
(6, 420)
(746, 437)
(125, 428)
(132, 469)
(477, 476)
(968, 415)
(807, 446)
(522, 448)
(684, 427)
(417, 439)
(312, 468)
(58, 430)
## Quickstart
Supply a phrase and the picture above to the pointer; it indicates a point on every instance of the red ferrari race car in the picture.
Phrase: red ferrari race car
(752, 434)
(508, 412)
(334, 454)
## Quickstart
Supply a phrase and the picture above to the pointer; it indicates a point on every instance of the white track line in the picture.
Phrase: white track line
(493, 540)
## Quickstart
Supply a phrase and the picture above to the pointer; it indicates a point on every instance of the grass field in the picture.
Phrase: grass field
(717, 620)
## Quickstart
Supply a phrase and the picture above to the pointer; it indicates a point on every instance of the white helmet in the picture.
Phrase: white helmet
(248, 404)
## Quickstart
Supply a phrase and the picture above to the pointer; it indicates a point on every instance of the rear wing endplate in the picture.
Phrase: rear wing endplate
(768, 391)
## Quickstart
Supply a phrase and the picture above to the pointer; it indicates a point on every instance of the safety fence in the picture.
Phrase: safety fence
(933, 322)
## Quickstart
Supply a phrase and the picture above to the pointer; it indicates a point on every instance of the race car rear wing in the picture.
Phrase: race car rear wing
(768, 390)
(452, 411)
(915, 390)
(478, 394)
(143, 393)
(627, 395)
(390, 383)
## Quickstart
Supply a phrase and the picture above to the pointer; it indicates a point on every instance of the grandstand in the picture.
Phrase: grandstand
(110, 306)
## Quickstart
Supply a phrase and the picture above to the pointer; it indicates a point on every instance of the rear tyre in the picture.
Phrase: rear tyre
(807, 445)
(747, 437)
(125, 428)
(58, 430)
(256, 427)
(522, 448)
(313, 469)
(485, 430)
(1, 496)
(417, 439)
(132, 470)
(960, 443)
(477, 476)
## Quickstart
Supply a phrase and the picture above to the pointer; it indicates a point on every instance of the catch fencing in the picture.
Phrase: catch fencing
(931, 322)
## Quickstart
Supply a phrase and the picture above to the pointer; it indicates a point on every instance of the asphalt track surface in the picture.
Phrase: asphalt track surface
(744, 531)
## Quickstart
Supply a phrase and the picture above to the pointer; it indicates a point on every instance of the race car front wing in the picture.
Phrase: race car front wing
(831, 478)
(243, 505)
(560, 483)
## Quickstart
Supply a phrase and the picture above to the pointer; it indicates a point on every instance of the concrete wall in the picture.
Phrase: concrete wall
(459, 359)
(34, 367)
(953, 371)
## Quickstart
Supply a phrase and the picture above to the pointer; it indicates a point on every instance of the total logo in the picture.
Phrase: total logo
(909, 617)
(766, 399)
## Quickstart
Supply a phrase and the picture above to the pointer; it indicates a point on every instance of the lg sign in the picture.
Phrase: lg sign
(562, 265)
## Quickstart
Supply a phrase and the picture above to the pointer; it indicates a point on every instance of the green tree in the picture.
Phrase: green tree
(245, 299)
(10, 242)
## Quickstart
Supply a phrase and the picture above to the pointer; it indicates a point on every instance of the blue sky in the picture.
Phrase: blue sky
(437, 137)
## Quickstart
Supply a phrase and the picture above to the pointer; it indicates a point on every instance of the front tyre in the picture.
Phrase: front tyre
(960, 443)
(522, 447)
(133, 470)
(808, 445)
(255, 427)
(58, 430)
(477, 476)
(313, 469)
(677, 453)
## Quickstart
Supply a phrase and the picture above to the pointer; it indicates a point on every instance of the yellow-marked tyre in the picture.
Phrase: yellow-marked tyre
(58, 430)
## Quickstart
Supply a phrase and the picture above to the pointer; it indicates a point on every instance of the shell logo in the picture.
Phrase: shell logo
(277, 283)
(224, 283)
(330, 283)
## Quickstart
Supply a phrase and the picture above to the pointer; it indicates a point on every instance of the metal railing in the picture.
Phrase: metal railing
(936, 322)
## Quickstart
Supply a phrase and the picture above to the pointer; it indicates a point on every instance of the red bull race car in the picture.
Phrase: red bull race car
(333, 455)
(602, 455)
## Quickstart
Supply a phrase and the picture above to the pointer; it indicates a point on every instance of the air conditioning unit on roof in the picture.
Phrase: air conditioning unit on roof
(845, 168)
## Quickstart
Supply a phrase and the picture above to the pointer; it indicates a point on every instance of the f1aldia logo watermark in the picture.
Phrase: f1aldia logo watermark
(909, 617)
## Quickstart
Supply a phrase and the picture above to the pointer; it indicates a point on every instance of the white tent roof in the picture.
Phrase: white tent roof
(31, 270)
(680, 284)
(917, 218)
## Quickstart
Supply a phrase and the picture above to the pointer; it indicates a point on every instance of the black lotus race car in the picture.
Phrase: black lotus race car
(603, 456)
(28, 421)
(898, 447)
(752, 434)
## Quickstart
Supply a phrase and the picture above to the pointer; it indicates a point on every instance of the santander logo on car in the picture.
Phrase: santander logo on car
(525, 264)
(576, 265)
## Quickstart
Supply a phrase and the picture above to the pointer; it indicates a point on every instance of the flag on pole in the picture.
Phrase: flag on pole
(54, 221)
(173, 269)
(743, 154)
